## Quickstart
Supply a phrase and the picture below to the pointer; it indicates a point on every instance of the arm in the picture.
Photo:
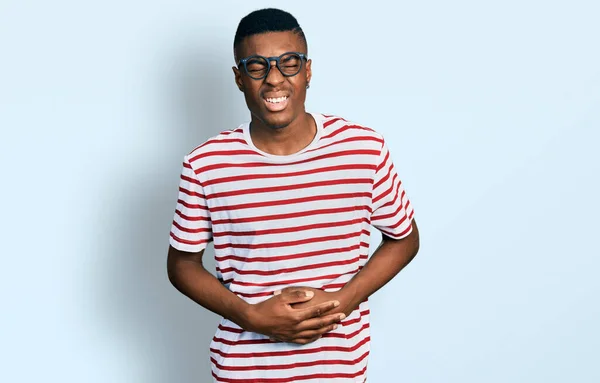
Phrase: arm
(386, 262)
(190, 233)
(274, 317)
(392, 213)
(188, 275)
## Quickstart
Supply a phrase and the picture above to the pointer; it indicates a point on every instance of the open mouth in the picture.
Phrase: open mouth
(275, 104)
(276, 100)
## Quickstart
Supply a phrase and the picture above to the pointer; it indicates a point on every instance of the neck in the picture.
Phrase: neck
(283, 141)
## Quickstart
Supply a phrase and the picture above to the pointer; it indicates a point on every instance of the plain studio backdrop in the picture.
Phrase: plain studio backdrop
(491, 112)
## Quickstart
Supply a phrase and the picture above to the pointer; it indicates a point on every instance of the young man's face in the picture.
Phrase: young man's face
(276, 100)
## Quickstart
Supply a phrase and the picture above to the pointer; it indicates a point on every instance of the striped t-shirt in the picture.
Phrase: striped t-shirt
(295, 220)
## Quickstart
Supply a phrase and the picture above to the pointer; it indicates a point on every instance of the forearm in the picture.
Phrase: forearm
(385, 263)
(193, 280)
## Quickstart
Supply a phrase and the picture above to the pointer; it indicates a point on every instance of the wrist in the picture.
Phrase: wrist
(349, 298)
(243, 315)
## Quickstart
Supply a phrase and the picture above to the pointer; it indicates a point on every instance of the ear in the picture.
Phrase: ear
(308, 71)
(238, 78)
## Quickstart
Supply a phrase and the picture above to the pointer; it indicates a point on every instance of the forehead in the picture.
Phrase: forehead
(271, 44)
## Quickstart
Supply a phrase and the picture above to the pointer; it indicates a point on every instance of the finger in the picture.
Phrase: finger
(296, 296)
(319, 323)
(317, 310)
(288, 289)
(308, 334)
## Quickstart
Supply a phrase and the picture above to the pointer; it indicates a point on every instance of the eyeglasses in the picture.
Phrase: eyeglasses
(258, 67)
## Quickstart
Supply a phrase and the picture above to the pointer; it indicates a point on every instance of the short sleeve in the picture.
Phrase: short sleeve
(191, 230)
(392, 212)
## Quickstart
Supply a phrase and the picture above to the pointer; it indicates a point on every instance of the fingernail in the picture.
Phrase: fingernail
(336, 304)
(342, 316)
(309, 294)
(335, 326)
(277, 292)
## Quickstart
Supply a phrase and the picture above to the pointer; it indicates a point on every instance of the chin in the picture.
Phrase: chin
(277, 120)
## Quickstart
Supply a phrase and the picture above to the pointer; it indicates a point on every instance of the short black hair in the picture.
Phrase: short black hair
(266, 20)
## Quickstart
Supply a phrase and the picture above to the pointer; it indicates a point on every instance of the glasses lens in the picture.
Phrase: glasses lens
(257, 67)
(290, 64)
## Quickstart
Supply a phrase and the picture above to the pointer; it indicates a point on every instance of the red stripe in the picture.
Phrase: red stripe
(190, 180)
(333, 286)
(393, 202)
(389, 215)
(394, 213)
(346, 336)
(246, 177)
(349, 181)
(230, 329)
(222, 141)
(400, 222)
(290, 365)
(293, 229)
(241, 341)
(191, 218)
(228, 132)
(190, 205)
(346, 140)
(305, 241)
(289, 281)
(332, 121)
(188, 230)
(392, 235)
(385, 178)
(290, 201)
(352, 321)
(388, 191)
(407, 205)
(255, 295)
(291, 215)
(187, 165)
(187, 242)
(289, 269)
(298, 351)
(191, 193)
(293, 378)
(288, 257)
(345, 128)
(221, 153)
(382, 164)
(355, 152)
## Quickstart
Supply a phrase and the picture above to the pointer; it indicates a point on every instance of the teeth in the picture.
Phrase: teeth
(276, 100)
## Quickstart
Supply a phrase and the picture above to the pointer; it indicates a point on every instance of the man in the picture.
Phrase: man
(288, 200)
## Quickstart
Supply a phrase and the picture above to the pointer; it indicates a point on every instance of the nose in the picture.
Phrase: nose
(274, 77)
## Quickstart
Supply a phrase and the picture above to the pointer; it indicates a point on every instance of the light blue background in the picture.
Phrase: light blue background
(491, 111)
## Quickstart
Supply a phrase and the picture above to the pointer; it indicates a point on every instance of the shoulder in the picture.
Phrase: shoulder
(224, 143)
(337, 127)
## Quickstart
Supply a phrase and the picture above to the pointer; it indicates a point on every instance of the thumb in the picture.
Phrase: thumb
(296, 296)
(288, 290)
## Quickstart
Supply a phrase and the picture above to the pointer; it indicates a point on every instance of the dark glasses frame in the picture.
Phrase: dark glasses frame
(277, 60)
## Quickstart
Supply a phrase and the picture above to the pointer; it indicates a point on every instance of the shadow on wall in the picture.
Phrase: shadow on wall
(163, 334)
